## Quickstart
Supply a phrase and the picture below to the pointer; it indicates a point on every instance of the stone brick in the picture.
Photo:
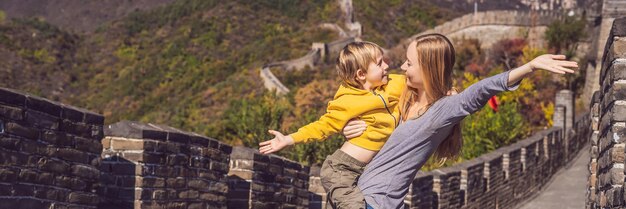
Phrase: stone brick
(33, 147)
(175, 182)
(86, 172)
(12, 113)
(20, 189)
(83, 198)
(8, 174)
(12, 97)
(41, 120)
(154, 158)
(76, 128)
(225, 148)
(71, 155)
(123, 168)
(9, 143)
(72, 114)
(29, 176)
(23, 131)
(23, 202)
(89, 145)
(199, 140)
(63, 181)
(93, 118)
(177, 159)
(178, 137)
(189, 194)
(126, 144)
(43, 105)
(152, 182)
(8, 157)
(617, 153)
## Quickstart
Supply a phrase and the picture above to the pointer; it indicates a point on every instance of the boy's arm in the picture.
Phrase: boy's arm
(336, 116)
(338, 113)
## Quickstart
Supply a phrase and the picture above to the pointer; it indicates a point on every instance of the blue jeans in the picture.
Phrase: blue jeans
(367, 206)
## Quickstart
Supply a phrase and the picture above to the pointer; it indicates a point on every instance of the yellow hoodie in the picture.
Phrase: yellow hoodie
(377, 108)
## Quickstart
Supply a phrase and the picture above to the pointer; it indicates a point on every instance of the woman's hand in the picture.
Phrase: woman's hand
(549, 62)
(553, 63)
(354, 128)
(276, 144)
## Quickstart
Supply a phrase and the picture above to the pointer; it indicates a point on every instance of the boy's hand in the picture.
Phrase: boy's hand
(279, 142)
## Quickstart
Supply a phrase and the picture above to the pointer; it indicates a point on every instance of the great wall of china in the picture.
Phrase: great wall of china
(58, 156)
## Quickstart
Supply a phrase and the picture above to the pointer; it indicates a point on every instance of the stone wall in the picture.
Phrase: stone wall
(155, 166)
(266, 181)
(49, 153)
(606, 182)
(499, 25)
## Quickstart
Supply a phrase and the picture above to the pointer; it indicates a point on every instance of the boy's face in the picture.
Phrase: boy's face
(377, 73)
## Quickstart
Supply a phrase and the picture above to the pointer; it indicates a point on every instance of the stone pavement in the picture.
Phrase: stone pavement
(567, 189)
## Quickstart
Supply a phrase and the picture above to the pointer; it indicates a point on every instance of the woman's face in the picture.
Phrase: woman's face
(412, 69)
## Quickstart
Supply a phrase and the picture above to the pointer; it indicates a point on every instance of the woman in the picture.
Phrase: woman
(430, 119)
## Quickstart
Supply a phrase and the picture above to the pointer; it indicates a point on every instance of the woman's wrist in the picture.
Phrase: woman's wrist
(519, 73)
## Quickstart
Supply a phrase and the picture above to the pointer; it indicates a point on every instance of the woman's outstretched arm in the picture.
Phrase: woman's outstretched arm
(472, 99)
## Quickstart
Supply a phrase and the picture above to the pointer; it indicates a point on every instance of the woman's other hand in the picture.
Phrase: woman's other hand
(354, 128)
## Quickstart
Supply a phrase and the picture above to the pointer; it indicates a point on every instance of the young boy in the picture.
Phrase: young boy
(367, 92)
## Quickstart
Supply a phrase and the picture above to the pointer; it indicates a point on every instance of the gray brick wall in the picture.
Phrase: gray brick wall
(266, 181)
(156, 166)
(606, 180)
(49, 153)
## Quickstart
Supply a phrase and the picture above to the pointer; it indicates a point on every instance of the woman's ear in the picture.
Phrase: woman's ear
(360, 75)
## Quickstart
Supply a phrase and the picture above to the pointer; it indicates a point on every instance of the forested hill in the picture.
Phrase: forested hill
(186, 63)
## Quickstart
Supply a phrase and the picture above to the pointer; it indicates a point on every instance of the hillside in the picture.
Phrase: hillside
(37, 57)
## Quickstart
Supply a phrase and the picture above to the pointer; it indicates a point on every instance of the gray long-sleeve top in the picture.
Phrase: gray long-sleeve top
(387, 177)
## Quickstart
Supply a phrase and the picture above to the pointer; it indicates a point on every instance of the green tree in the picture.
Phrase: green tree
(563, 35)
(248, 120)
(487, 130)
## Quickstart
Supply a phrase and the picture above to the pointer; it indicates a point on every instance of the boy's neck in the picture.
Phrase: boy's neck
(368, 86)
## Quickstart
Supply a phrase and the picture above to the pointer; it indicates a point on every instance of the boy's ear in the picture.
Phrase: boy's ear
(360, 75)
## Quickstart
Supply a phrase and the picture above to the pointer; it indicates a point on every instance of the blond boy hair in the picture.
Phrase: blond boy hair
(355, 56)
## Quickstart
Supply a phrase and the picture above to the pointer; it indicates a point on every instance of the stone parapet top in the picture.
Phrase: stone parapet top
(139, 130)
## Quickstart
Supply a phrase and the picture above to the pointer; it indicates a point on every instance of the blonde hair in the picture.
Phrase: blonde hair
(435, 57)
(355, 56)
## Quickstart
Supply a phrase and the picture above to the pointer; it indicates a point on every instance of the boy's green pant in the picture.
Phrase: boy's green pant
(339, 175)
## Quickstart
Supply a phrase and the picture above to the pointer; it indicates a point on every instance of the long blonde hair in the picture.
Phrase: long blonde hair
(355, 56)
(435, 57)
